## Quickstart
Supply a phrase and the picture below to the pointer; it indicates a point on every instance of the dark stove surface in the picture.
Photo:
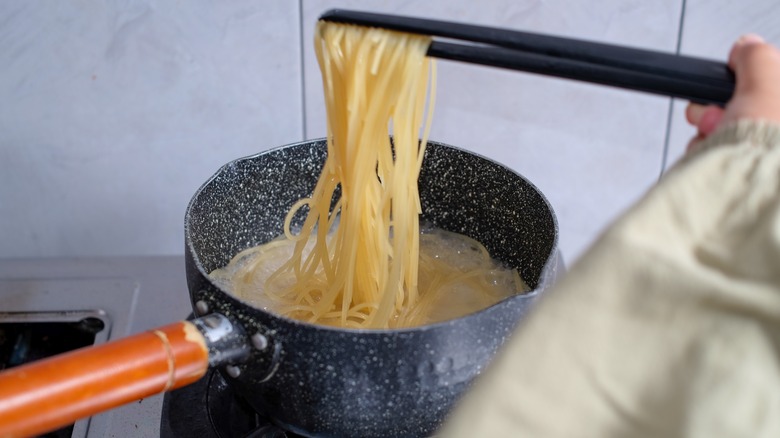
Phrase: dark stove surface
(209, 408)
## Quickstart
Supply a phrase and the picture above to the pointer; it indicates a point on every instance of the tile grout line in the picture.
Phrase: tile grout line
(670, 113)
(303, 75)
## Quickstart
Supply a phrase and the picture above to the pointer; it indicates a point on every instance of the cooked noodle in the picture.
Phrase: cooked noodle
(358, 263)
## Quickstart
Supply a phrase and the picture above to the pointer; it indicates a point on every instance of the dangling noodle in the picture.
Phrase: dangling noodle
(357, 263)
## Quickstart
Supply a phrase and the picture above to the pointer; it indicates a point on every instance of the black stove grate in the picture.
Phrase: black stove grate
(209, 408)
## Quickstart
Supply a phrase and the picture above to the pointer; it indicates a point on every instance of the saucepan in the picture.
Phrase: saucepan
(321, 381)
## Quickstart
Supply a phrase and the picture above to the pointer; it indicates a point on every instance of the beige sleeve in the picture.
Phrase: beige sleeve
(668, 326)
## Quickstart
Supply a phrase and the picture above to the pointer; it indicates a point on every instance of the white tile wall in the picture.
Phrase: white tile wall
(113, 113)
(592, 150)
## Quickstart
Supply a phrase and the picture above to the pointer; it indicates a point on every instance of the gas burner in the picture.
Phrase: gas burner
(209, 408)
(29, 336)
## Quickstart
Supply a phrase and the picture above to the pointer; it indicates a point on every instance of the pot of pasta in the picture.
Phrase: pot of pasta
(486, 248)
(376, 272)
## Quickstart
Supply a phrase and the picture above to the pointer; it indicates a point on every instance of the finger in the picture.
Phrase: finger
(705, 118)
(710, 120)
(743, 41)
(693, 113)
(755, 64)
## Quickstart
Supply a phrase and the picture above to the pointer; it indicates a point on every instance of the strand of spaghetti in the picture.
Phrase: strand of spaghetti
(360, 204)
(361, 270)
(290, 214)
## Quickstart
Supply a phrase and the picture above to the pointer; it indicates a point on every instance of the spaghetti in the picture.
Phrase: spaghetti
(358, 263)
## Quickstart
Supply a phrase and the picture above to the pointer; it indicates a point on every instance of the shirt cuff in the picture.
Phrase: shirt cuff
(760, 133)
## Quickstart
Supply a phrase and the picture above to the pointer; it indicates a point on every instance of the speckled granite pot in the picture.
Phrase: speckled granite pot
(320, 381)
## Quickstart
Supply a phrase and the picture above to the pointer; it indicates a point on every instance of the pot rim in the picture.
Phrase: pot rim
(552, 258)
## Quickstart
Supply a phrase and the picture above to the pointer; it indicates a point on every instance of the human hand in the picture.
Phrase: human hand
(756, 66)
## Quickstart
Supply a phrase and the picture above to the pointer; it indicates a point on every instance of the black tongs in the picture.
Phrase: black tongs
(695, 79)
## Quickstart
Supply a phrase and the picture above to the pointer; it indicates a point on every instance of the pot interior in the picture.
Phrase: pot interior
(246, 202)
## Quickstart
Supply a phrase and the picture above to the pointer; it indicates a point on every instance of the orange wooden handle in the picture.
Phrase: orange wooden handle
(57, 391)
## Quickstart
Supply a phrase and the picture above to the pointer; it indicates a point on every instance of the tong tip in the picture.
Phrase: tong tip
(332, 15)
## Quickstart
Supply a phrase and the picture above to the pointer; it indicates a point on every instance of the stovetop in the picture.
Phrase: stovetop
(94, 300)
(210, 408)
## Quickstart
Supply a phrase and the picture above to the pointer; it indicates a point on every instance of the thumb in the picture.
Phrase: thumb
(749, 58)
(756, 66)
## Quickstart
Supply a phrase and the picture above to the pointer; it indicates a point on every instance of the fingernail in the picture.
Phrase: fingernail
(749, 38)
(694, 112)
(710, 120)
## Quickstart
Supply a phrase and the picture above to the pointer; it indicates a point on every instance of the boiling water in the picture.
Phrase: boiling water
(456, 277)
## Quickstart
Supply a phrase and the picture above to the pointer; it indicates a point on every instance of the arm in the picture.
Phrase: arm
(670, 324)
